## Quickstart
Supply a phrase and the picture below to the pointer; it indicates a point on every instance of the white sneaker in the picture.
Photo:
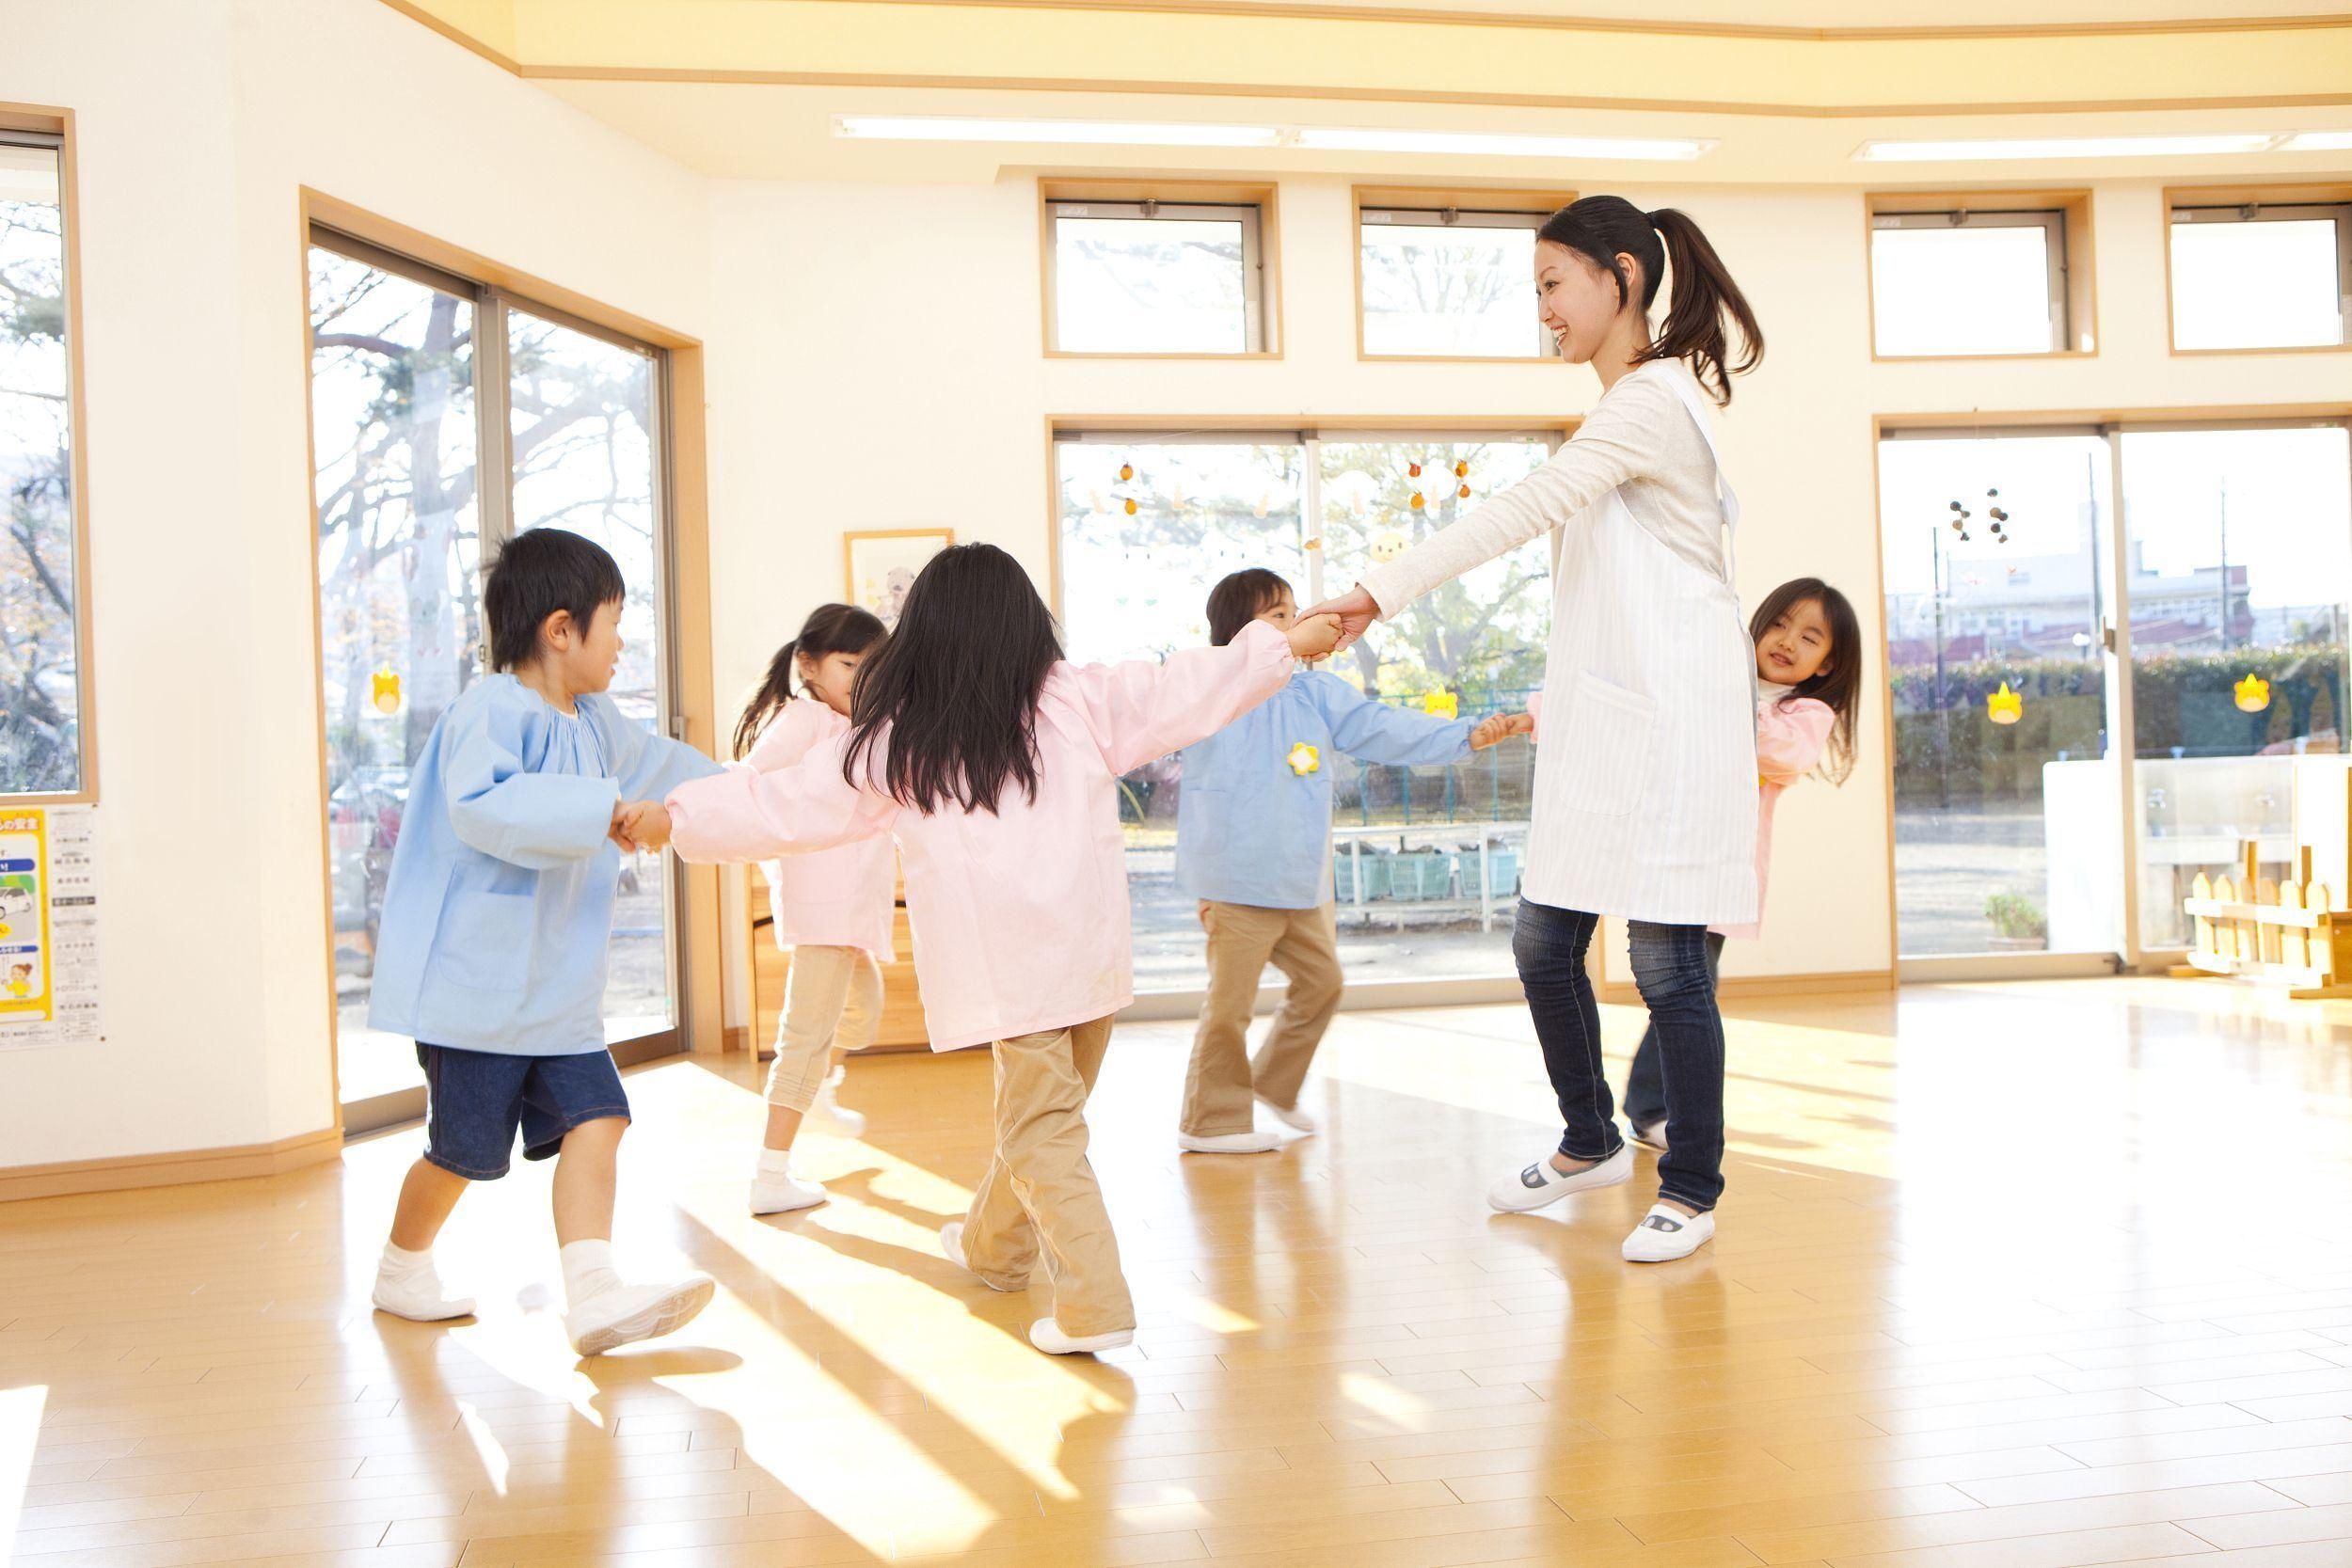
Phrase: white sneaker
(418, 1297)
(781, 1194)
(951, 1248)
(1667, 1233)
(1046, 1334)
(1230, 1143)
(848, 1123)
(1294, 1118)
(628, 1313)
(1541, 1182)
(1651, 1135)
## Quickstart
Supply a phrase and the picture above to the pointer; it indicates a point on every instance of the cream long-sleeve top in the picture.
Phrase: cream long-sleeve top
(1638, 438)
(1020, 915)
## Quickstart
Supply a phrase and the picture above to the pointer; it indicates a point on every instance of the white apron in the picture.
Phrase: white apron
(1646, 781)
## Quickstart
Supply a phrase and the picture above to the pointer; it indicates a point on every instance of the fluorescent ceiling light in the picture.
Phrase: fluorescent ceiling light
(1327, 138)
(2066, 147)
(2318, 141)
(1094, 132)
(1335, 138)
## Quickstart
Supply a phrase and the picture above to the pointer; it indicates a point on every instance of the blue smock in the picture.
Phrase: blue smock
(499, 909)
(1253, 828)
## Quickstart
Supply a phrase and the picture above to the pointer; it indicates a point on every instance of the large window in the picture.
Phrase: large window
(2250, 276)
(421, 383)
(1447, 283)
(2230, 577)
(41, 635)
(1155, 277)
(1426, 860)
(1961, 281)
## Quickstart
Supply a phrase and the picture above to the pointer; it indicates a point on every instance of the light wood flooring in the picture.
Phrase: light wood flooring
(2035, 1276)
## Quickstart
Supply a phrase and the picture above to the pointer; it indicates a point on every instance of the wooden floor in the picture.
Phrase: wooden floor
(2026, 1277)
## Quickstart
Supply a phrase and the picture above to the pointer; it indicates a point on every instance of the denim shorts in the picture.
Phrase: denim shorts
(476, 1100)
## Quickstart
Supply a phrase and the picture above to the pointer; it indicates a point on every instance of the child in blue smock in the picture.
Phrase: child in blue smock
(497, 915)
(1253, 845)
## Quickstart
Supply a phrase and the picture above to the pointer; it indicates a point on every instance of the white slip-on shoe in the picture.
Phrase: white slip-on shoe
(1667, 1233)
(781, 1194)
(1293, 1117)
(951, 1248)
(419, 1297)
(1046, 1334)
(1650, 1134)
(628, 1313)
(1541, 1182)
(1229, 1143)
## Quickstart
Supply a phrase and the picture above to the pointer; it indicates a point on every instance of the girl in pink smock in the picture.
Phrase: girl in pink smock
(996, 763)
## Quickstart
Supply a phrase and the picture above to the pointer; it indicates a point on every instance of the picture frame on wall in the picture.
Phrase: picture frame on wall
(882, 566)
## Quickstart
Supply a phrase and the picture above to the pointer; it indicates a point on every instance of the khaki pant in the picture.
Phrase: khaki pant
(1243, 940)
(832, 998)
(1040, 1192)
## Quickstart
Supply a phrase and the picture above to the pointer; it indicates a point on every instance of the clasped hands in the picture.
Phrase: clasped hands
(640, 825)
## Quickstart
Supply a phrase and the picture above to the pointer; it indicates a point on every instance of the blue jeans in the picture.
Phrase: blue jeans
(1646, 1084)
(1670, 967)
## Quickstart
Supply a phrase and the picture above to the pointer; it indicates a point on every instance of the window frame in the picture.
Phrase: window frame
(1499, 209)
(27, 125)
(2052, 221)
(1253, 207)
(2258, 204)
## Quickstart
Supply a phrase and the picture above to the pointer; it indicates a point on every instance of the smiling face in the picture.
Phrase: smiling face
(829, 679)
(582, 658)
(1280, 613)
(1796, 646)
(1576, 300)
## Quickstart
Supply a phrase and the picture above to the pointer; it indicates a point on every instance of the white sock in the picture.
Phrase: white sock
(400, 1261)
(776, 1162)
(588, 1271)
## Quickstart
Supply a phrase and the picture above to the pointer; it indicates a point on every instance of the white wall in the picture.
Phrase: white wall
(882, 367)
(196, 123)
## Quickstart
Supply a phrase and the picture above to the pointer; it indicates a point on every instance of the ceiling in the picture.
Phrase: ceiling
(748, 89)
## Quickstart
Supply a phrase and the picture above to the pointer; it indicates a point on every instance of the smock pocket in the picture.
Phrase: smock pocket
(485, 940)
(1606, 738)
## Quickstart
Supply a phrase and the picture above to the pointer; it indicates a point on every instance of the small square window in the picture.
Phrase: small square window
(1155, 277)
(1961, 282)
(2254, 275)
(1448, 283)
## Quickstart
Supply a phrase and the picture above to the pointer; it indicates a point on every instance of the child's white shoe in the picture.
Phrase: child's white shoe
(1542, 1182)
(626, 1313)
(1667, 1233)
(781, 1191)
(418, 1297)
(951, 1248)
(848, 1123)
(1293, 1117)
(1229, 1143)
(1650, 1134)
(1047, 1335)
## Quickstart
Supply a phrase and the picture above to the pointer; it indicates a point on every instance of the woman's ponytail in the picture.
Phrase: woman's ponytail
(774, 691)
(1600, 228)
(1703, 295)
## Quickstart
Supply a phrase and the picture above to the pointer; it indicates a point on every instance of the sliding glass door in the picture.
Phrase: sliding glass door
(2030, 624)
(423, 384)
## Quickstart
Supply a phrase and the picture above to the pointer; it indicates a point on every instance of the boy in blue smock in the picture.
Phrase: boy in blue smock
(1253, 845)
(497, 916)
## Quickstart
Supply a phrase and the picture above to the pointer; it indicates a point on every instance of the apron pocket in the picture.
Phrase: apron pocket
(1607, 736)
(484, 941)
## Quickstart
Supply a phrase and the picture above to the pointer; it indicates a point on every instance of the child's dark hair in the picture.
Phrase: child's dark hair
(1240, 599)
(957, 684)
(537, 573)
(1602, 228)
(831, 628)
(1839, 686)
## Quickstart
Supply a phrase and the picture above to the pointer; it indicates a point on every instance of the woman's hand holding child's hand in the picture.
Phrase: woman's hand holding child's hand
(1314, 636)
(1499, 727)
